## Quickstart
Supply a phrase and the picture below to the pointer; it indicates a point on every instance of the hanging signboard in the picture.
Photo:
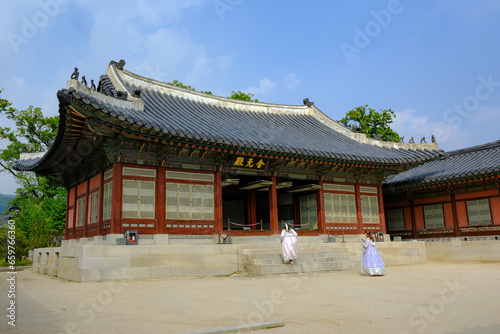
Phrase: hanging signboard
(249, 163)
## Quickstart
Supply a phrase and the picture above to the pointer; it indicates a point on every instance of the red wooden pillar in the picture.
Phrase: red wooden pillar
(321, 209)
(100, 205)
(86, 215)
(381, 212)
(252, 208)
(296, 212)
(116, 206)
(413, 219)
(456, 228)
(75, 211)
(68, 199)
(218, 202)
(359, 211)
(161, 200)
(273, 207)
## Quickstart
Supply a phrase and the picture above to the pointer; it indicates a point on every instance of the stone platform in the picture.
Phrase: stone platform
(99, 258)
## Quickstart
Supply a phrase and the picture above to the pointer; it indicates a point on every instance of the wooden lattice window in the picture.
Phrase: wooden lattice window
(308, 212)
(138, 199)
(94, 206)
(107, 200)
(340, 208)
(369, 209)
(395, 219)
(479, 212)
(190, 201)
(81, 211)
(433, 216)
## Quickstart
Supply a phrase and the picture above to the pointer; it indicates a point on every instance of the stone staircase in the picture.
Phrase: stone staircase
(311, 258)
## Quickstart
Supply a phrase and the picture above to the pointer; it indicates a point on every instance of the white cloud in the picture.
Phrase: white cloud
(408, 124)
(143, 33)
(266, 86)
(478, 128)
(291, 81)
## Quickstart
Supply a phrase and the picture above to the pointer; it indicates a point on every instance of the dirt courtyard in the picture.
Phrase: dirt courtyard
(424, 298)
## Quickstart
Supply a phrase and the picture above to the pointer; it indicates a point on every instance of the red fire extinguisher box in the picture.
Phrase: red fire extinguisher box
(131, 237)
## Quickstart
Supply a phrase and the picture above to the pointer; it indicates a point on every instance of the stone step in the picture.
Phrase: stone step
(311, 258)
(299, 249)
(279, 260)
(313, 255)
(299, 267)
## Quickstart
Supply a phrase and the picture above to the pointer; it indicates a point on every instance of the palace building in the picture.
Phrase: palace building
(180, 174)
(138, 154)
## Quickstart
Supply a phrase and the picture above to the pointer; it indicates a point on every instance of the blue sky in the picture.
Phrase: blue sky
(435, 63)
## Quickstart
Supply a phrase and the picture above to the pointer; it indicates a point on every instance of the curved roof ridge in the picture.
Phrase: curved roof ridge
(362, 138)
(165, 88)
(477, 148)
(130, 79)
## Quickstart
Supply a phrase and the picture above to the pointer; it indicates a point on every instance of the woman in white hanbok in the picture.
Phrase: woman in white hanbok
(371, 262)
(288, 244)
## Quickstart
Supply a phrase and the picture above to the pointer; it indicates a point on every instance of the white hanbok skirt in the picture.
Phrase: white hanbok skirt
(289, 248)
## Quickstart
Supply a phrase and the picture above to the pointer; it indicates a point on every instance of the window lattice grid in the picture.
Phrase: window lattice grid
(433, 216)
(338, 187)
(308, 212)
(189, 176)
(369, 209)
(138, 199)
(81, 211)
(340, 208)
(133, 171)
(395, 219)
(364, 189)
(94, 206)
(108, 174)
(189, 201)
(479, 212)
(108, 195)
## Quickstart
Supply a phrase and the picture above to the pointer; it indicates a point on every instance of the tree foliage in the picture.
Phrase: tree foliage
(42, 199)
(371, 122)
(177, 83)
(33, 133)
(239, 95)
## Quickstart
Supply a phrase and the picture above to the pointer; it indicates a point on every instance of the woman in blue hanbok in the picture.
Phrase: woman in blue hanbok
(371, 262)
(288, 244)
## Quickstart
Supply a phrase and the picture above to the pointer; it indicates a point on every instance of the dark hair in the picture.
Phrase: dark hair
(368, 232)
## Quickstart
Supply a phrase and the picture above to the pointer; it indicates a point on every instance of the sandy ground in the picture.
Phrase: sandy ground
(425, 298)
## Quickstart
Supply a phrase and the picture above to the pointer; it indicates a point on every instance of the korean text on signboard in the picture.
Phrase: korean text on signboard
(249, 162)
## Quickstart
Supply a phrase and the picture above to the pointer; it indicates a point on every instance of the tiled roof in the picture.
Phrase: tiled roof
(27, 164)
(188, 116)
(292, 132)
(461, 164)
(106, 86)
(300, 130)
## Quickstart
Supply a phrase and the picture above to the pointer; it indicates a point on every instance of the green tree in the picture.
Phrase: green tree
(177, 83)
(33, 133)
(42, 199)
(371, 122)
(239, 95)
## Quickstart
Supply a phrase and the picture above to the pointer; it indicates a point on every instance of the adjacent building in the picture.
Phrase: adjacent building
(454, 197)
